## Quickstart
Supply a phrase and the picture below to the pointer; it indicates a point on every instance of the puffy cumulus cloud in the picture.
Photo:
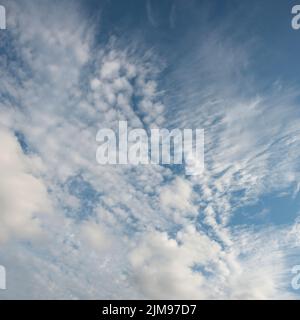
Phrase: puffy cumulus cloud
(177, 198)
(23, 194)
(95, 236)
(163, 267)
(194, 266)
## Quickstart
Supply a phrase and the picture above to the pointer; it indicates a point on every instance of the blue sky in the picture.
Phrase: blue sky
(73, 229)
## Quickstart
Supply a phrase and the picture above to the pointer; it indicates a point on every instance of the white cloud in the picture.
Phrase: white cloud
(177, 198)
(193, 266)
(95, 236)
(163, 267)
(23, 195)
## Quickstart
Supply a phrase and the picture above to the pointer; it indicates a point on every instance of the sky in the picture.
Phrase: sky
(73, 229)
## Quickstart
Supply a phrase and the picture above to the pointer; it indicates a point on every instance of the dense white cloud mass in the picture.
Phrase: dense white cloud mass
(176, 199)
(196, 266)
(135, 231)
(23, 196)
